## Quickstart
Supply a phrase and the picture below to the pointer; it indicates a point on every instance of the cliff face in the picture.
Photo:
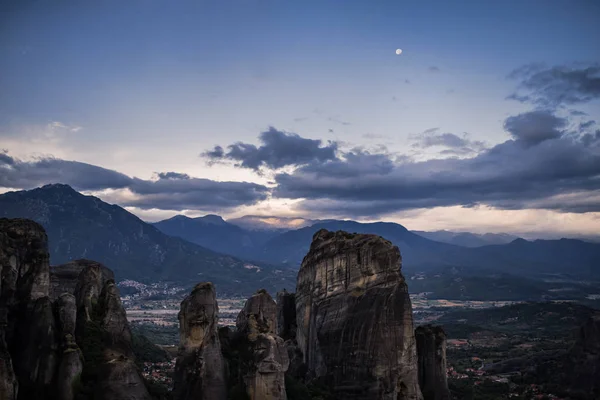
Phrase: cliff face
(118, 376)
(264, 357)
(583, 360)
(286, 315)
(27, 329)
(200, 368)
(354, 317)
(40, 356)
(71, 360)
(64, 278)
(431, 350)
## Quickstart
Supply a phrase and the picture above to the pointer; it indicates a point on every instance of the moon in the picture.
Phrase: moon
(398, 51)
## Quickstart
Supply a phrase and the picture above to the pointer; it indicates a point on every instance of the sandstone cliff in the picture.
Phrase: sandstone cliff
(582, 364)
(200, 368)
(64, 278)
(354, 317)
(118, 377)
(71, 359)
(431, 350)
(264, 357)
(27, 344)
(42, 341)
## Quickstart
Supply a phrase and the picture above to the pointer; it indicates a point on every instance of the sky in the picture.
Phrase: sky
(486, 122)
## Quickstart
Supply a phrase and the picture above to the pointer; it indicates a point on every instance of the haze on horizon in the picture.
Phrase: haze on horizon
(485, 123)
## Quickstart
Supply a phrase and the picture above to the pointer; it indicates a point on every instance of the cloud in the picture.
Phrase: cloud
(375, 136)
(170, 191)
(279, 149)
(535, 126)
(556, 86)
(433, 68)
(455, 144)
(172, 175)
(59, 125)
(542, 174)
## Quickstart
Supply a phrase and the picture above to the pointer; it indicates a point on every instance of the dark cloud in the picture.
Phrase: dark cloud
(171, 191)
(542, 174)
(433, 68)
(29, 174)
(534, 127)
(194, 193)
(407, 81)
(456, 144)
(558, 85)
(586, 125)
(577, 113)
(172, 175)
(279, 149)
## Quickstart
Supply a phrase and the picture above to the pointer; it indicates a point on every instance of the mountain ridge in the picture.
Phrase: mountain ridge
(81, 226)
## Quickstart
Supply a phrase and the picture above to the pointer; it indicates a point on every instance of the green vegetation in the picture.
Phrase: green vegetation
(146, 351)
(157, 334)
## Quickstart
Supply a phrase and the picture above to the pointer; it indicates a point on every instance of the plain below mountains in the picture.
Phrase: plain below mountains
(80, 226)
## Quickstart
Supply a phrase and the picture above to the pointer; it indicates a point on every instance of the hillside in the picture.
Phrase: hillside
(467, 239)
(214, 233)
(81, 226)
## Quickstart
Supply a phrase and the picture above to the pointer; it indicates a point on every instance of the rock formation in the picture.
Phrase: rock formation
(582, 364)
(64, 278)
(28, 348)
(119, 377)
(71, 359)
(431, 350)
(354, 317)
(286, 315)
(264, 357)
(40, 357)
(200, 368)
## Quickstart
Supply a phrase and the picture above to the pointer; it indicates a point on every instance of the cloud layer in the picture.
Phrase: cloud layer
(558, 85)
(170, 190)
(279, 149)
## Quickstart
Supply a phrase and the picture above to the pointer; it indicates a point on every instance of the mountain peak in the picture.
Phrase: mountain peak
(212, 219)
(58, 187)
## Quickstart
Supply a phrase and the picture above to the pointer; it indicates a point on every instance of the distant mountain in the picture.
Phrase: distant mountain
(81, 226)
(290, 247)
(271, 223)
(570, 257)
(467, 239)
(212, 232)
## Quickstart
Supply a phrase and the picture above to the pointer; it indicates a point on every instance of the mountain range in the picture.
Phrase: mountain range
(184, 249)
(80, 226)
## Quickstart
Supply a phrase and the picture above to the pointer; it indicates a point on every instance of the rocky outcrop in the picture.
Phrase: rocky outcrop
(264, 356)
(431, 350)
(354, 317)
(27, 345)
(582, 364)
(286, 315)
(71, 358)
(39, 353)
(200, 367)
(64, 278)
(119, 377)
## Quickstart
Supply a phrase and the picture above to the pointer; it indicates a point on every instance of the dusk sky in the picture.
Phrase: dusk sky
(484, 123)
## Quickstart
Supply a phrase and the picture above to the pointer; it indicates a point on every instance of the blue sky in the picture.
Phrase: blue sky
(142, 87)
